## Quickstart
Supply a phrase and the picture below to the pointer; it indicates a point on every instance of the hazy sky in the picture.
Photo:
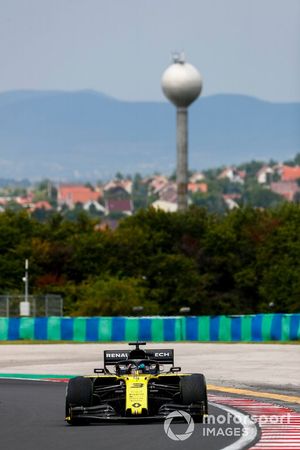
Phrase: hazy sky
(121, 47)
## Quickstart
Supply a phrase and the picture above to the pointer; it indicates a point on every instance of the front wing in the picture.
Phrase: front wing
(107, 413)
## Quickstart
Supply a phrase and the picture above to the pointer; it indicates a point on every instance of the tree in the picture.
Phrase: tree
(212, 201)
(119, 176)
(261, 197)
(173, 281)
(293, 162)
(233, 263)
(139, 193)
(251, 167)
(111, 296)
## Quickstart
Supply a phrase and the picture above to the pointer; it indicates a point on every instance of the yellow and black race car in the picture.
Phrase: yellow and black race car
(137, 387)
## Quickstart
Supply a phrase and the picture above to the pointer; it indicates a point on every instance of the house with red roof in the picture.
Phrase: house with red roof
(43, 204)
(169, 192)
(119, 206)
(157, 183)
(289, 173)
(70, 194)
(25, 201)
(198, 187)
(286, 189)
(125, 185)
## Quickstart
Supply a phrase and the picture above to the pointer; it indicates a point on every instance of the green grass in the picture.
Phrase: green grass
(34, 376)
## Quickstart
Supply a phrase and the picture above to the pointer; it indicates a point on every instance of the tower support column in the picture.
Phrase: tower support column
(182, 158)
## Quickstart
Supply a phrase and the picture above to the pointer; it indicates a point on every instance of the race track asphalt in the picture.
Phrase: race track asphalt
(32, 418)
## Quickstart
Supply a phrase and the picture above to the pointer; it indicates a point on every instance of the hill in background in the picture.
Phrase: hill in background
(87, 135)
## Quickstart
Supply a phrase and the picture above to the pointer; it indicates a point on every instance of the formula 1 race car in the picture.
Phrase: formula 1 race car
(137, 387)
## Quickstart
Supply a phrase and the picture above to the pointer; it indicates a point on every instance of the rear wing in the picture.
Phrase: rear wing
(163, 356)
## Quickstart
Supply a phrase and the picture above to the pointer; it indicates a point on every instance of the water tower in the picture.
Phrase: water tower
(181, 84)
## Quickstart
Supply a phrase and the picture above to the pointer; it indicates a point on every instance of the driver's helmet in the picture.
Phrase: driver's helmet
(142, 367)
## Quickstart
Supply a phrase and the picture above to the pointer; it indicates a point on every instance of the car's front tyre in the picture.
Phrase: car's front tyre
(193, 391)
(79, 393)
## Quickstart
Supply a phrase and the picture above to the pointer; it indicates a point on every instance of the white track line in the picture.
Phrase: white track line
(249, 426)
(279, 425)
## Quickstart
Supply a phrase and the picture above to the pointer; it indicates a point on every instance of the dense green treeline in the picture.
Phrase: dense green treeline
(246, 261)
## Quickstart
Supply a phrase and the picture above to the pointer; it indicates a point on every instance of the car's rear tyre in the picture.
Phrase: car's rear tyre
(79, 393)
(193, 390)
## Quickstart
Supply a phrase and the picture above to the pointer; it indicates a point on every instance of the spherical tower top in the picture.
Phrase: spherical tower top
(181, 83)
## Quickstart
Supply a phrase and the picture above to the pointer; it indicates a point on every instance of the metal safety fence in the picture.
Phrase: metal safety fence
(39, 305)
